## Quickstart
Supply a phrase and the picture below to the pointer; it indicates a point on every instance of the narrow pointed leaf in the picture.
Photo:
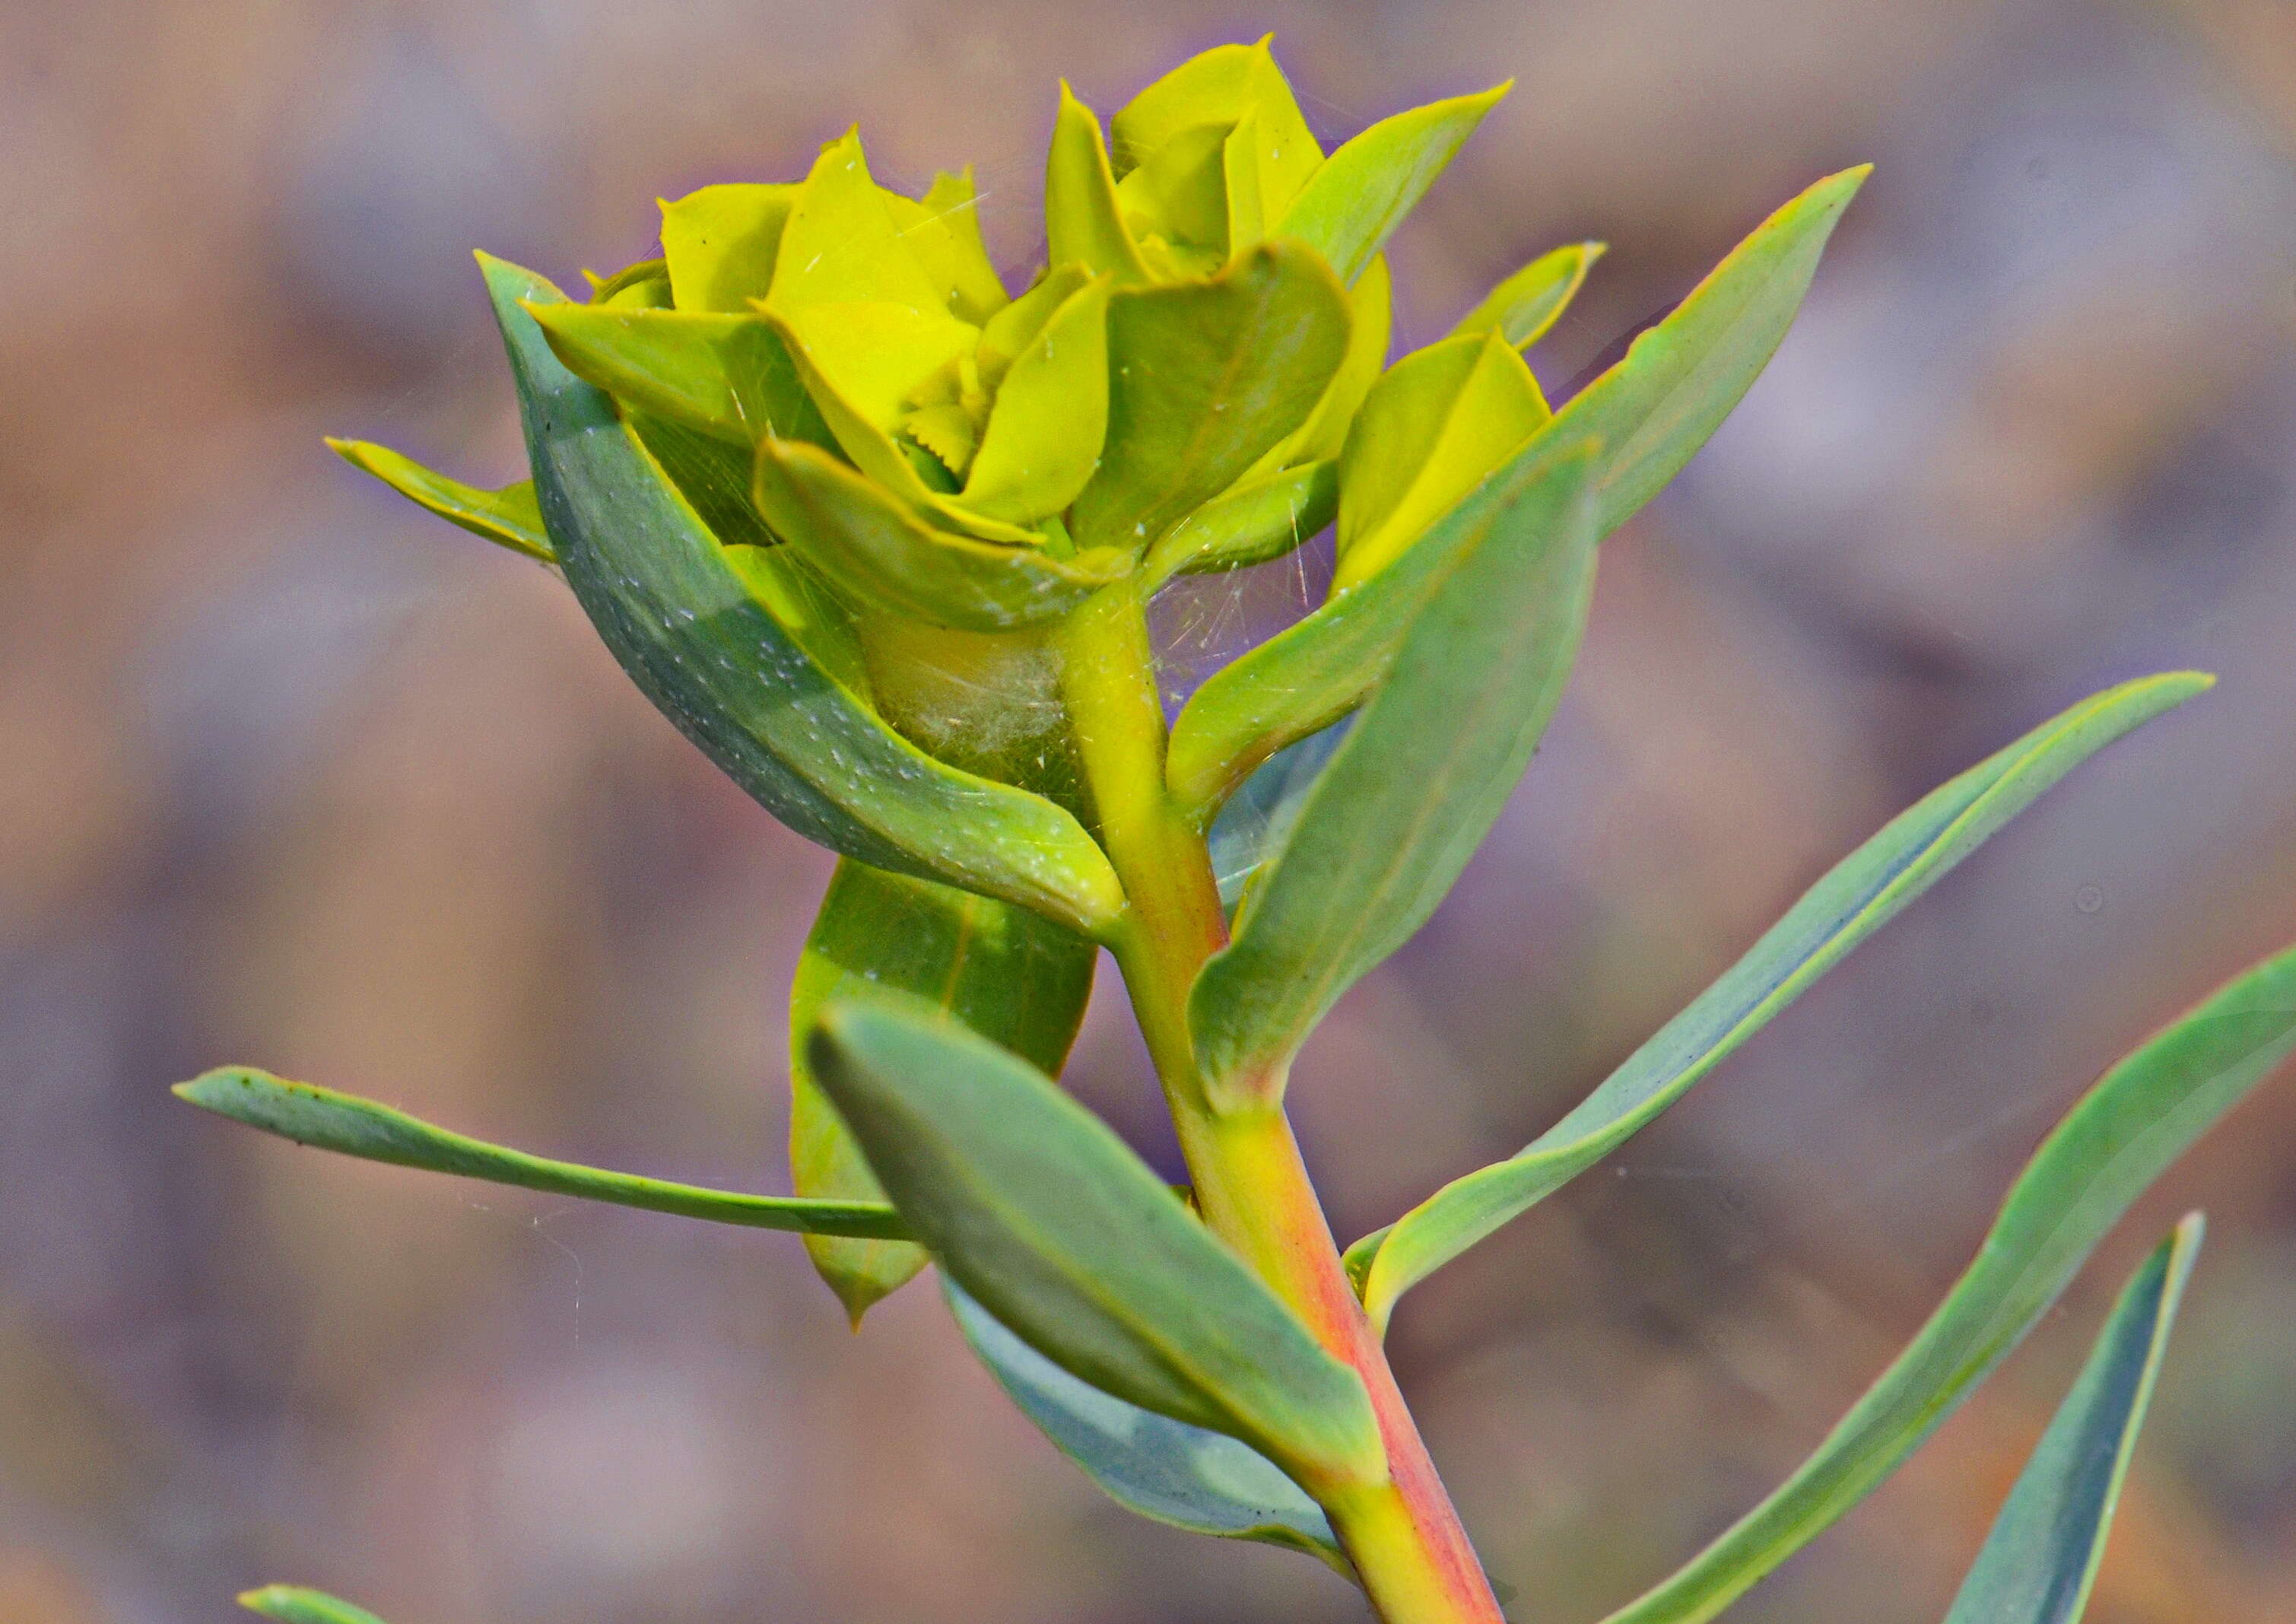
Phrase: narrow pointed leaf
(1352, 203)
(1013, 978)
(1203, 379)
(509, 517)
(685, 623)
(1039, 1211)
(1046, 430)
(861, 539)
(296, 1604)
(350, 1125)
(1861, 894)
(2039, 1563)
(1187, 1476)
(2126, 1131)
(1251, 524)
(730, 376)
(1418, 782)
(1680, 380)
(1083, 224)
(1526, 305)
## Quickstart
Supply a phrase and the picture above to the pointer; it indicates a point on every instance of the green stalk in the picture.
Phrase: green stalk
(1403, 1534)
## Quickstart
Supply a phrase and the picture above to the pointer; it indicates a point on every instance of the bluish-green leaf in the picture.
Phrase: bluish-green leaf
(1353, 202)
(2040, 1561)
(1250, 525)
(295, 1605)
(1204, 377)
(1187, 1476)
(866, 544)
(1261, 812)
(350, 1125)
(1046, 1216)
(1421, 776)
(1007, 974)
(1526, 305)
(508, 517)
(1862, 893)
(730, 376)
(685, 623)
(2125, 1132)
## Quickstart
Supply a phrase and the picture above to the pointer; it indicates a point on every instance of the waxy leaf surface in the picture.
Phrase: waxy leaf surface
(508, 517)
(2125, 1132)
(1353, 202)
(1187, 1476)
(1862, 893)
(1039, 1211)
(686, 626)
(2039, 1563)
(1017, 980)
(350, 1125)
(1418, 782)
(730, 376)
(1204, 378)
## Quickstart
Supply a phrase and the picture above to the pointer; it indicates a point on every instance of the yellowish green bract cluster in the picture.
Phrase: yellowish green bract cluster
(880, 536)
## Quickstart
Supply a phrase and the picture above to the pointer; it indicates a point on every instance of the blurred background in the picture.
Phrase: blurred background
(292, 774)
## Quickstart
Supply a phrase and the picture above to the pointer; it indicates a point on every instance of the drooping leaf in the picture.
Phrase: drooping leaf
(1250, 525)
(1417, 783)
(718, 244)
(1203, 378)
(507, 517)
(296, 1604)
(1043, 1214)
(1680, 379)
(1017, 980)
(2125, 1132)
(861, 539)
(1861, 894)
(1235, 86)
(1187, 1476)
(1429, 432)
(1353, 202)
(350, 1125)
(730, 376)
(687, 627)
(2040, 1561)
(1261, 812)
(1051, 415)
(1526, 305)
(1083, 223)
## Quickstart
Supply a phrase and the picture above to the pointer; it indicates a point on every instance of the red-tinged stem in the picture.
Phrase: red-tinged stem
(1402, 1534)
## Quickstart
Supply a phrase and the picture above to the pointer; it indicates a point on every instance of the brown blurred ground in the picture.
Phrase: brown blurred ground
(293, 775)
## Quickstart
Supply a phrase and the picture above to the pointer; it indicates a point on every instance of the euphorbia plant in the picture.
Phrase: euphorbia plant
(882, 537)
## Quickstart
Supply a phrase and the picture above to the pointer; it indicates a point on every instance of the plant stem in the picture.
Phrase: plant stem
(1403, 1534)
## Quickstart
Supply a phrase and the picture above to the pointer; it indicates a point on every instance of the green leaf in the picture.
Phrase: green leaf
(644, 285)
(1043, 1214)
(1353, 202)
(1204, 378)
(1861, 894)
(1526, 305)
(1251, 524)
(1429, 432)
(1017, 980)
(730, 376)
(1371, 307)
(2041, 1558)
(687, 626)
(942, 230)
(1237, 85)
(719, 244)
(1186, 1476)
(350, 1125)
(1257, 816)
(1083, 224)
(1419, 781)
(507, 517)
(2125, 1132)
(1680, 379)
(865, 543)
(294, 1604)
(1051, 415)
